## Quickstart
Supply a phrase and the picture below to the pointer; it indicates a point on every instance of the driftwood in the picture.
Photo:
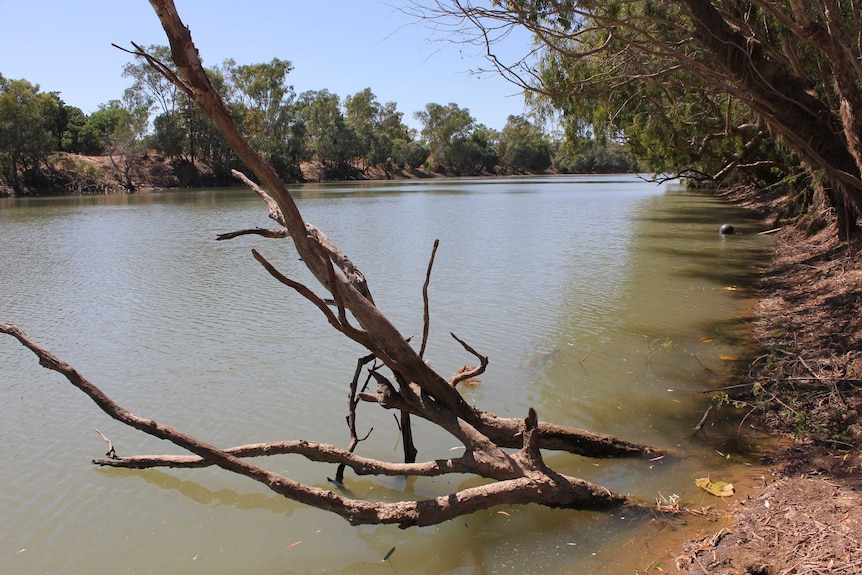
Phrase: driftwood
(505, 451)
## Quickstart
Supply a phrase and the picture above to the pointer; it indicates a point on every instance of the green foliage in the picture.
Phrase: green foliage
(472, 154)
(169, 135)
(106, 128)
(150, 85)
(28, 131)
(409, 153)
(331, 139)
(441, 125)
(377, 129)
(457, 144)
(524, 146)
(628, 72)
(593, 157)
(70, 136)
(261, 87)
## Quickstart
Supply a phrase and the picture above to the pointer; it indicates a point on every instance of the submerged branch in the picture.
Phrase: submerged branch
(550, 489)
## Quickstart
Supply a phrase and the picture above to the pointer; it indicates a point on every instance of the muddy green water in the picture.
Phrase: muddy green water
(606, 303)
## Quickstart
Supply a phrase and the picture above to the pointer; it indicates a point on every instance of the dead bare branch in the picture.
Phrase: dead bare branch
(466, 373)
(411, 386)
(426, 318)
(550, 489)
(276, 234)
(352, 403)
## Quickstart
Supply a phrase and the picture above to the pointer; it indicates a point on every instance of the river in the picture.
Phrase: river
(605, 302)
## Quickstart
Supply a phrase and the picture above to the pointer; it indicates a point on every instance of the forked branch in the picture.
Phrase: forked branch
(551, 489)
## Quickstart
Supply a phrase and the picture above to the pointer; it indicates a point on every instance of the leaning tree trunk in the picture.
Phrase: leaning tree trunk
(826, 141)
(505, 451)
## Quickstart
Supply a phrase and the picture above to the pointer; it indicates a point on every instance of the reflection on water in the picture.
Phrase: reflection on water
(605, 303)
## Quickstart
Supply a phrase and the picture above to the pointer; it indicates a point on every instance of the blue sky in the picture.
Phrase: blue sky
(342, 45)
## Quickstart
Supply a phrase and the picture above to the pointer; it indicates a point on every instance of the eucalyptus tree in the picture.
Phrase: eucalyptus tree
(264, 105)
(390, 130)
(361, 113)
(409, 153)
(151, 86)
(703, 86)
(441, 125)
(260, 93)
(472, 154)
(524, 146)
(28, 122)
(74, 120)
(331, 139)
(161, 98)
(203, 140)
(377, 127)
(116, 130)
(176, 133)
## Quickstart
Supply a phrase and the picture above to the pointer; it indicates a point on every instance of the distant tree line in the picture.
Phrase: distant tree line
(344, 137)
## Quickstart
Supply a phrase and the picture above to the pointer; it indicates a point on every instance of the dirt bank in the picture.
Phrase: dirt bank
(806, 387)
(75, 174)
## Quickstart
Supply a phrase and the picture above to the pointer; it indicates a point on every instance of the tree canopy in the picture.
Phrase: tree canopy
(704, 88)
(28, 129)
(345, 136)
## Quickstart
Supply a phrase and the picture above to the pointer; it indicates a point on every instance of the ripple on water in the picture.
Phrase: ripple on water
(567, 291)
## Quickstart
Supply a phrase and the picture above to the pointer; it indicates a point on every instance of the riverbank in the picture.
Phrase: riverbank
(76, 174)
(805, 386)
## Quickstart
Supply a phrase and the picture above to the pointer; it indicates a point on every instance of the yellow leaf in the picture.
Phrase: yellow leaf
(730, 288)
(728, 358)
(717, 488)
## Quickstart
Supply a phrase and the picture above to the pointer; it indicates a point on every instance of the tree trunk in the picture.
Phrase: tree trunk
(803, 121)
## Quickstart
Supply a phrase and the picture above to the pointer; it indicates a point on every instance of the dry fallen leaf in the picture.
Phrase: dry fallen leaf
(707, 339)
(292, 545)
(717, 488)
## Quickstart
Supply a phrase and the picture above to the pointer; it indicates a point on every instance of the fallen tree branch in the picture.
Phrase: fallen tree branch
(276, 234)
(550, 489)
(353, 275)
(413, 387)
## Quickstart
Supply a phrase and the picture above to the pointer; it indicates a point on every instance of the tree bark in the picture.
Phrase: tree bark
(801, 119)
(535, 484)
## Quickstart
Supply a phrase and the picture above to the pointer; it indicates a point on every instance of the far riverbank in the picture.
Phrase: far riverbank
(75, 174)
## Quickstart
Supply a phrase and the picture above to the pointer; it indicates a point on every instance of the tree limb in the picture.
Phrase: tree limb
(551, 489)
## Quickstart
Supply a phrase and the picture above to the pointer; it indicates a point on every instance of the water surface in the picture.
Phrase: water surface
(607, 303)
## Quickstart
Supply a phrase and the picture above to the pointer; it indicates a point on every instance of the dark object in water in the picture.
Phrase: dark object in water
(726, 229)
